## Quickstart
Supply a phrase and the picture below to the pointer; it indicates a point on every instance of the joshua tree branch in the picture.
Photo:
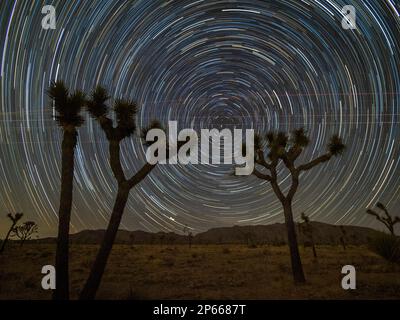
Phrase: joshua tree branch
(106, 125)
(115, 161)
(315, 162)
(15, 233)
(277, 190)
(260, 175)
(294, 152)
(373, 213)
(289, 163)
(379, 218)
(140, 175)
(294, 186)
(383, 208)
(261, 160)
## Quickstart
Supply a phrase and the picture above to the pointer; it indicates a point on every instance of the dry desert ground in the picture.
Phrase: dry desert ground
(203, 272)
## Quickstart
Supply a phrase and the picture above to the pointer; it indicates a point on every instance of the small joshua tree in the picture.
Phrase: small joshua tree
(300, 230)
(282, 148)
(14, 220)
(190, 239)
(25, 231)
(308, 231)
(189, 235)
(386, 218)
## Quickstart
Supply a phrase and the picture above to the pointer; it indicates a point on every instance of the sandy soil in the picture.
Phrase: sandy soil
(203, 272)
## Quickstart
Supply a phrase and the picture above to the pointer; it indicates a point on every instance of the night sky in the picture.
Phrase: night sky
(267, 65)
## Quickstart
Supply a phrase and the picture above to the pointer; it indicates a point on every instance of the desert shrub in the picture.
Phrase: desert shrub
(387, 246)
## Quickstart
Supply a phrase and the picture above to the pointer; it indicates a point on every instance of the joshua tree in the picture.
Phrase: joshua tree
(386, 218)
(125, 114)
(285, 149)
(14, 220)
(190, 238)
(308, 230)
(189, 233)
(343, 237)
(25, 231)
(68, 107)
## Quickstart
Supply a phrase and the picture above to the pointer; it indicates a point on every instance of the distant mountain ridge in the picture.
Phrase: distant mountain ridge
(323, 233)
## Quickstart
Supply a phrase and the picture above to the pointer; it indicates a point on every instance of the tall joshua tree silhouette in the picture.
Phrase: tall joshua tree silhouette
(282, 148)
(386, 219)
(68, 107)
(14, 220)
(125, 114)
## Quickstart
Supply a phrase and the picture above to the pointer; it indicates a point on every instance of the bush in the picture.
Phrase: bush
(387, 246)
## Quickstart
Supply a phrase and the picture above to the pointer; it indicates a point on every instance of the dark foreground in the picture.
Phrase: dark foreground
(203, 272)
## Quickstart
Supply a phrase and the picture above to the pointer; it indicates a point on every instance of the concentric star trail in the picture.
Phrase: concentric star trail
(267, 65)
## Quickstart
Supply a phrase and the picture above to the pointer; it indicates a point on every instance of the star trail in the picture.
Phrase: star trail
(266, 65)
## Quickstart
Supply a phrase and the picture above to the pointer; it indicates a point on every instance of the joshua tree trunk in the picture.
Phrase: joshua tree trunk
(313, 247)
(97, 271)
(3, 245)
(64, 215)
(295, 259)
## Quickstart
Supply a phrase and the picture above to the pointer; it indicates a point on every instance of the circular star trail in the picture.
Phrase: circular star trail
(276, 65)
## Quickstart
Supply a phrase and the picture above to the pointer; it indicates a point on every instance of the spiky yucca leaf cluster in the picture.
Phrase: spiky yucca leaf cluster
(96, 105)
(279, 143)
(336, 145)
(299, 138)
(125, 113)
(155, 124)
(16, 217)
(68, 106)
